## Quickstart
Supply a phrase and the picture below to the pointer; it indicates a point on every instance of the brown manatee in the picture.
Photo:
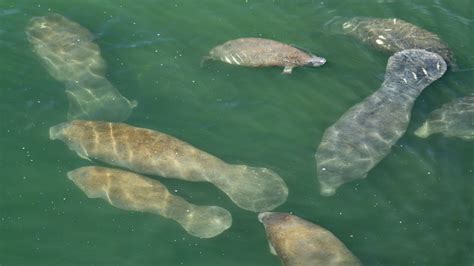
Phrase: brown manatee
(130, 191)
(298, 242)
(453, 119)
(364, 135)
(69, 54)
(151, 152)
(258, 52)
(395, 35)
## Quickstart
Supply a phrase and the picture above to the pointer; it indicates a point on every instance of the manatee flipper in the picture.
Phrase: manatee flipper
(287, 70)
(83, 156)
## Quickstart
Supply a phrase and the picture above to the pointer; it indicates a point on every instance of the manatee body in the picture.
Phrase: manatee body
(69, 54)
(365, 134)
(453, 119)
(394, 35)
(130, 191)
(298, 242)
(258, 52)
(151, 152)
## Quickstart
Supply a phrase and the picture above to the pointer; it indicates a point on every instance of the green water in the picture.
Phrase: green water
(415, 207)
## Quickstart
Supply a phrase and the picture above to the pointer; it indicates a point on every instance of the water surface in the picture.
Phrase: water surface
(415, 207)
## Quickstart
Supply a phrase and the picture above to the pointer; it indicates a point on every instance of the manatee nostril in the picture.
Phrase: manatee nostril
(262, 216)
(317, 61)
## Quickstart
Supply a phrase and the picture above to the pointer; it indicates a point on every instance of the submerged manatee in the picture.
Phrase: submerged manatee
(365, 134)
(298, 242)
(130, 191)
(152, 152)
(394, 35)
(69, 54)
(453, 119)
(258, 52)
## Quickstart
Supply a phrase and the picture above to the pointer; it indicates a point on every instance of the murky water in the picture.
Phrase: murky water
(414, 208)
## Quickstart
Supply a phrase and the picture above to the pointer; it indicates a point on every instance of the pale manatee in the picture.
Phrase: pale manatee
(151, 152)
(394, 35)
(69, 54)
(130, 191)
(298, 242)
(453, 119)
(365, 134)
(258, 52)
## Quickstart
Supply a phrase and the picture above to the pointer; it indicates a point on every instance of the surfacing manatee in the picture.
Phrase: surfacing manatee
(69, 54)
(298, 242)
(130, 191)
(394, 35)
(151, 152)
(365, 134)
(453, 119)
(258, 52)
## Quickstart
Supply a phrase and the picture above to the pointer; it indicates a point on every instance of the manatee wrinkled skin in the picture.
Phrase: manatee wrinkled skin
(453, 119)
(151, 152)
(395, 35)
(298, 242)
(69, 54)
(364, 135)
(130, 191)
(258, 52)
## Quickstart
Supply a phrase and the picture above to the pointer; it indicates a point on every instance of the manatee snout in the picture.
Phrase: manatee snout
(57, 131)
(268, 218)
(316, 61)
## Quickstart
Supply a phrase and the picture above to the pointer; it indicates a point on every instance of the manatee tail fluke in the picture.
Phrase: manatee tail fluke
(206, 221)
(253, 188)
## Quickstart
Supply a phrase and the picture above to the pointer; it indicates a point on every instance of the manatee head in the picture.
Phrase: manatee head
(351, 24)
(59, 131)
(315, 61)
(90, 179)
(329, 181)
(270, 218)
(74, 134)
(339, 163)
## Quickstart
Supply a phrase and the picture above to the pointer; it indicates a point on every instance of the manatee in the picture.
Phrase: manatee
(394, 35)
(130, 191)
(151, 152)
(258, 52)
(365, 134)
(70, 56)
(453, 119)
(298, 242)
